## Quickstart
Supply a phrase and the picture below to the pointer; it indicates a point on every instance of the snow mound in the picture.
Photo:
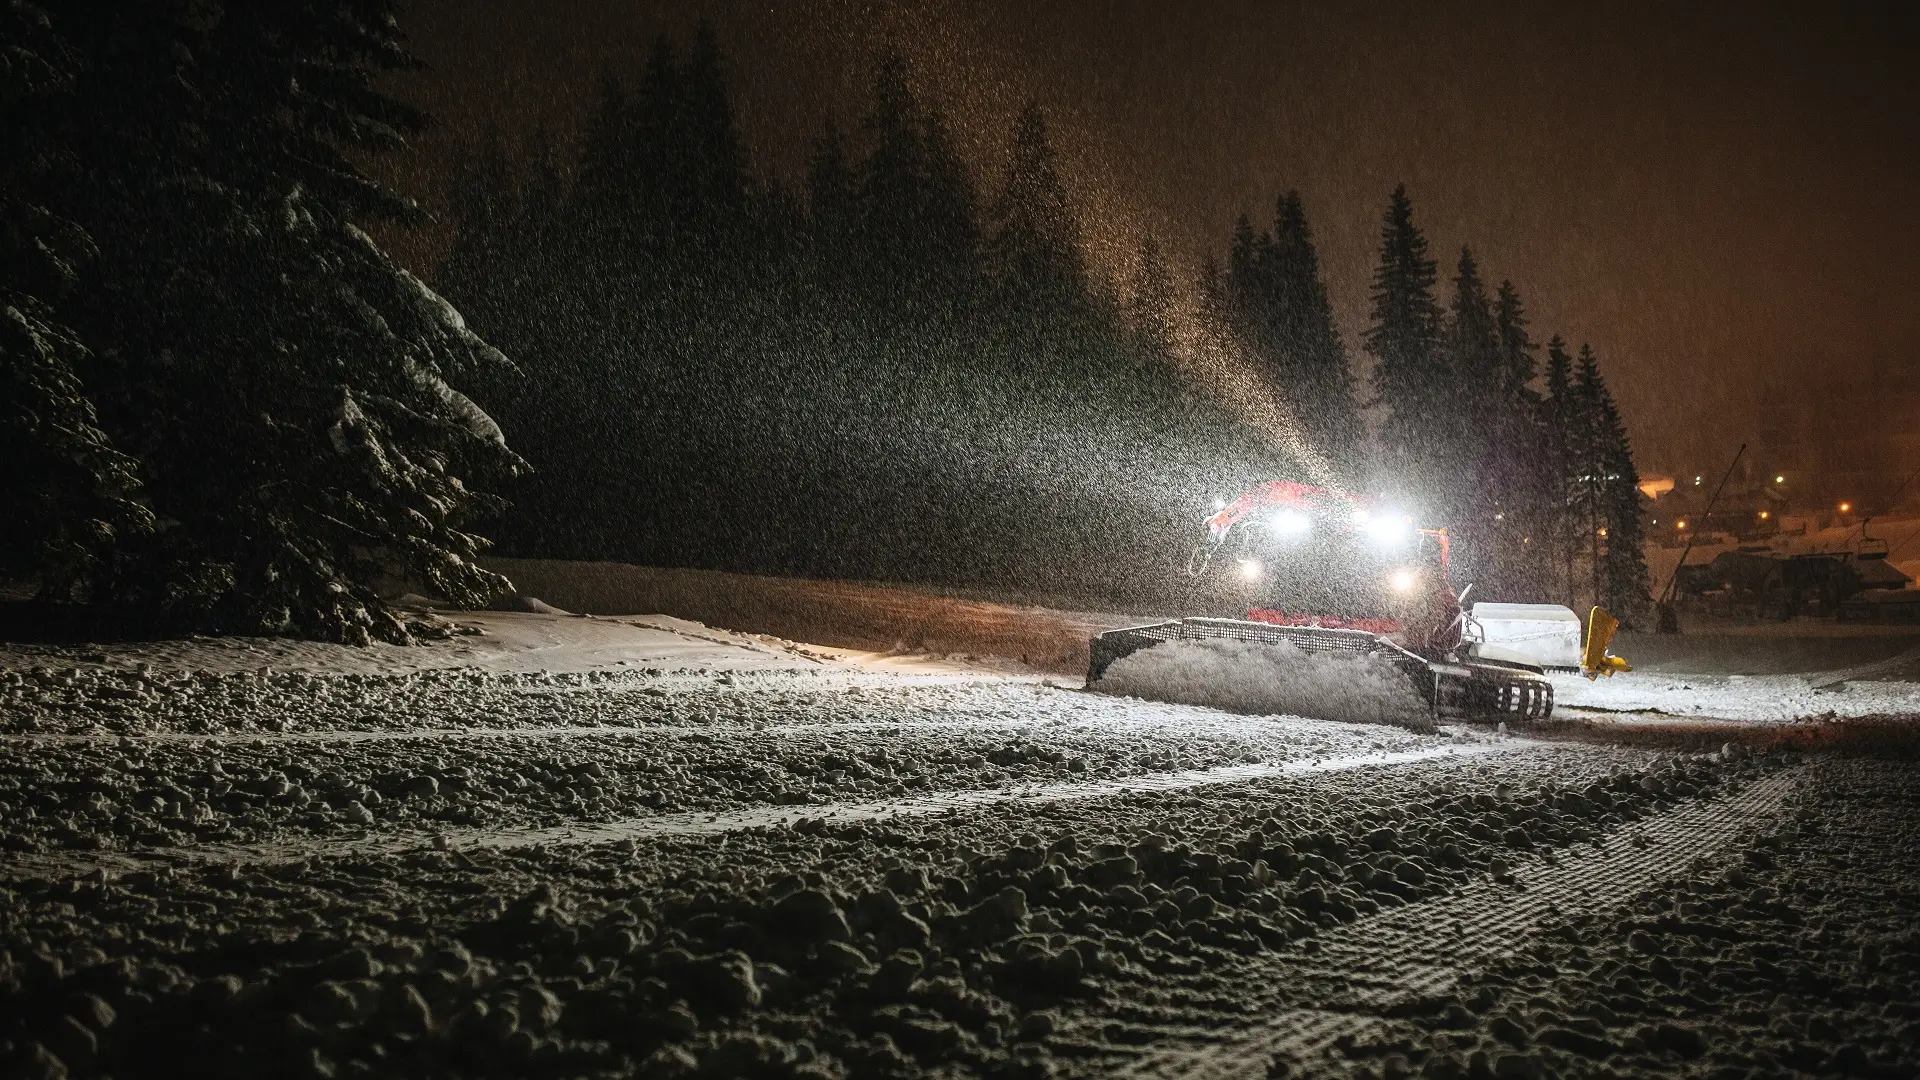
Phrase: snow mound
(1256, 678)
(527, 605)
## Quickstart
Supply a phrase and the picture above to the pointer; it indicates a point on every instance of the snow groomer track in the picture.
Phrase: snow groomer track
(1351, 980)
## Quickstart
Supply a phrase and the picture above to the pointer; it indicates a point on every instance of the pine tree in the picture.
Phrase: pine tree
(1404, 338)
(918, 238)
(486, 218)
(663, 176)
(1619, 556)
(1523, 473)
(1308, 342)
(604, 192)
(1605, 530)
(892, 186)
(1559, 380)
(71, 495)
(287, 390)
(1471, 343)
(832, 206)
(1557, 421)
(1465, 476)
(707, 152)
(1243, 281)
(1516, 347)
(1035, 249)
(950, 225)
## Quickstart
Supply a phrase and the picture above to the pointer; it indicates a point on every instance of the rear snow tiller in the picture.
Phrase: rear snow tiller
(1329, 572)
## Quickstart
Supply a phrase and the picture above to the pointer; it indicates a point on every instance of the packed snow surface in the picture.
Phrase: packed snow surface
(1759, 699)
(1262, 679)
(646, 847)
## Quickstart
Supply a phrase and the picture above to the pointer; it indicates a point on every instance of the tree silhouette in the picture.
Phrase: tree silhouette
(287, 391)
(1035, 248)
(1409, 381)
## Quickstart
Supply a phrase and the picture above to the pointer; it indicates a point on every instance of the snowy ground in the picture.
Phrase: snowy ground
(1753, 699)
(642, 847)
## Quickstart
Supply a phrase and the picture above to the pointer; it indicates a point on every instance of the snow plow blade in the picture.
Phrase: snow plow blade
(1472, 689)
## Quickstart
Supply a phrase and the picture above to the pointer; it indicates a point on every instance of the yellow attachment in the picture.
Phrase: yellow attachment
(1600, 630)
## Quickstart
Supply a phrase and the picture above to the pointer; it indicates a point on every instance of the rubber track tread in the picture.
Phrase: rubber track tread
(1357, 972)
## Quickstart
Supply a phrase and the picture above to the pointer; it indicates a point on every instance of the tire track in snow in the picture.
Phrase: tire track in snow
(1355, 973)
(687, 824)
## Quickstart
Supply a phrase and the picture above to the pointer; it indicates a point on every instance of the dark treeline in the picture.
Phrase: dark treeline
(1536, 483)
(904, 372)
(222, 407)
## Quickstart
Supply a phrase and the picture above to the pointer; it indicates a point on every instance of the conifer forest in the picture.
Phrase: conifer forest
(241, 414)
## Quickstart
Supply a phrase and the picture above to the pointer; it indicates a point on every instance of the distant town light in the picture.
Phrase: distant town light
(1764, 515)
(1696, 481)
(1680, 525)
(1779, 479)
(1846, 508)
(1603, 530)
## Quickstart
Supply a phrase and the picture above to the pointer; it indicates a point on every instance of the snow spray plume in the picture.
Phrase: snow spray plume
(958, 55)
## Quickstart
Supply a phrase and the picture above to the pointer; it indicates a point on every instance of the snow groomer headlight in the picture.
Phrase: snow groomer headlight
(1290, 523)
(1387, 530)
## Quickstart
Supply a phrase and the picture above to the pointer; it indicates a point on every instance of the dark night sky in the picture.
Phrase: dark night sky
(1715, 196)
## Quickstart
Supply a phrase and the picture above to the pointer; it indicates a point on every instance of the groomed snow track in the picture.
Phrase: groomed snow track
(1358, 975)
(658, 826)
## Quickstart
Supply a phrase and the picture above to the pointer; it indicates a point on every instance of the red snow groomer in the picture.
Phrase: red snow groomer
(1330, 572)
